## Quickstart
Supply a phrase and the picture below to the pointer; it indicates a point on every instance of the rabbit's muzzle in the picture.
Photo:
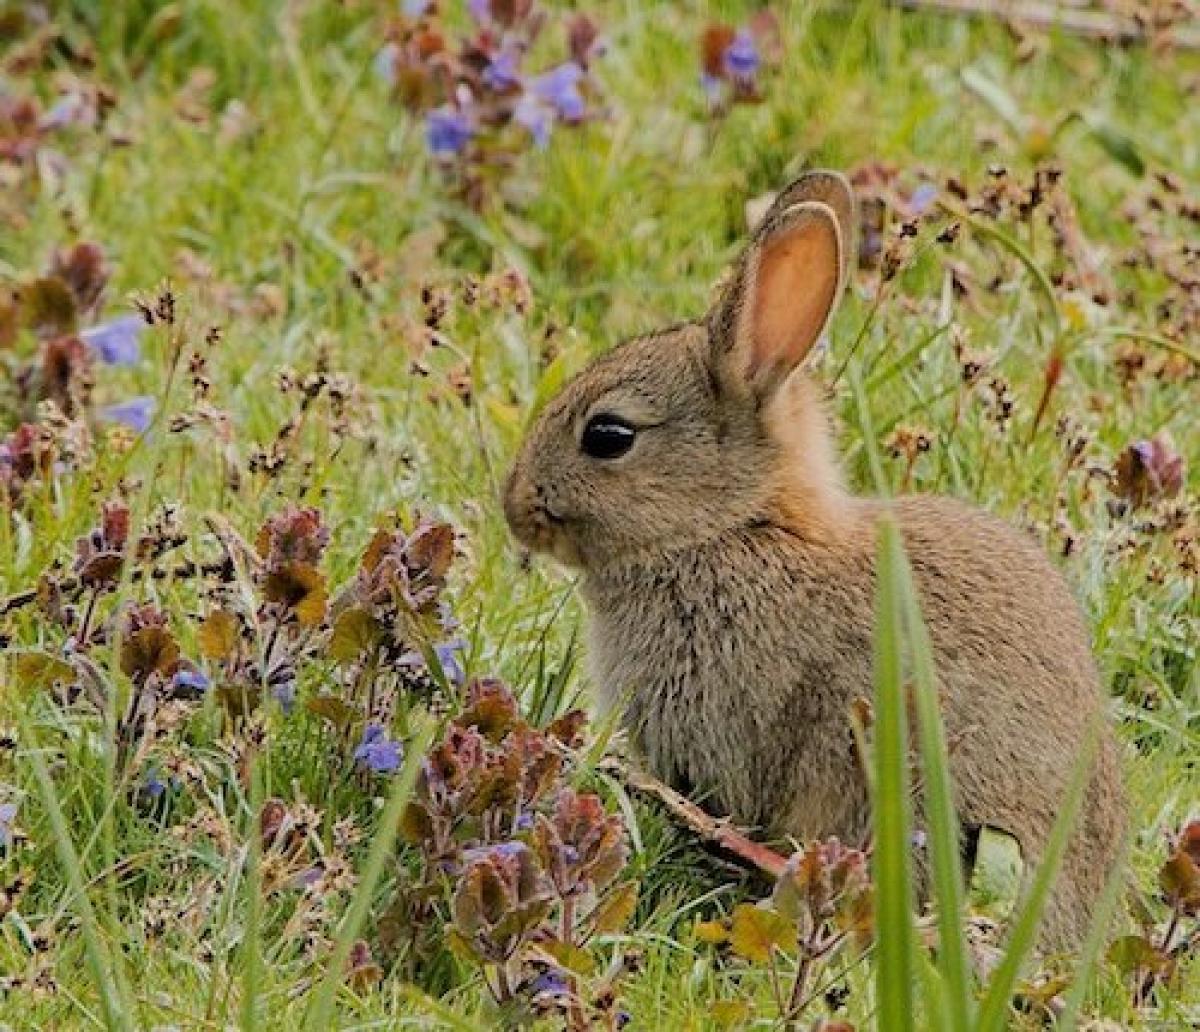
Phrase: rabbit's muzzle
(530, 517)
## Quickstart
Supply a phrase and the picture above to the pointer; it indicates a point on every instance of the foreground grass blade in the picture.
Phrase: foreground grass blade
(1089, 956)
(109, 984)
(252, 947)
(993, 1014)
(944, 828)
(320, 1011)
(892, 863)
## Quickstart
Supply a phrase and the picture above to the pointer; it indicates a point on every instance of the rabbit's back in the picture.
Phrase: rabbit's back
(738, 663)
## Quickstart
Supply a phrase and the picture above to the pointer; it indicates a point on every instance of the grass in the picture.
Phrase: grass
(619, 226)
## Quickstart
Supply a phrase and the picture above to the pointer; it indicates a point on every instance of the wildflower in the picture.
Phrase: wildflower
(447, 131)
(559, 88)
(1148, 470)
(741, 58)
(416, 8)
(386, 64)
(922, 198)
(534, 116)
(116, 342)
(8, 812)
(190, 683)
(503, 72)
(135, 413)
(377, 752)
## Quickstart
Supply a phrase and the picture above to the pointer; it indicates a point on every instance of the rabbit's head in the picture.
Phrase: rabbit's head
(685, 433)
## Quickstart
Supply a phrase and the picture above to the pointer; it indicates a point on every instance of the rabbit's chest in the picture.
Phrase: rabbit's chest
(726, 685)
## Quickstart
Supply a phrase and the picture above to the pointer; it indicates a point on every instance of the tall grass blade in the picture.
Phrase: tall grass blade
(320, 1011)
(252, 943)
(1089, 956)
(109, 983)
(944, 828)
(892, 862)
(993, 1014)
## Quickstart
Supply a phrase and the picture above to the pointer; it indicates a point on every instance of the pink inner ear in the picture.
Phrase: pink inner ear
(795, 286)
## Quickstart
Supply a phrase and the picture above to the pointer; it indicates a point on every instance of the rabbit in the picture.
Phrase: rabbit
(729, 578)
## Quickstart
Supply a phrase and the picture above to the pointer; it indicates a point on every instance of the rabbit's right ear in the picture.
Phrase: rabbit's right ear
(831, 188)
(780, 299)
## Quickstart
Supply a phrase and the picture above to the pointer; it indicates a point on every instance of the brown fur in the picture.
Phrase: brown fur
(730, 584)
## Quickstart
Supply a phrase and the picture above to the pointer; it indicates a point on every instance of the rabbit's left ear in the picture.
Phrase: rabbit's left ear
(782, 295)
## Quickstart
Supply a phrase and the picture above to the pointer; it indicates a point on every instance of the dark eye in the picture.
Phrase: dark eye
(607, 437)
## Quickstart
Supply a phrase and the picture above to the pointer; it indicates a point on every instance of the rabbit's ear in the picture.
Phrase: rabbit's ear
(830, 188)
(781, 297)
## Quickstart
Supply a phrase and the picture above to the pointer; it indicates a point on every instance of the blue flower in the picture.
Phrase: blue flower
(741, 57)
(922, 197)
(154, 786)
(116, 342)
(190, 682)
(8, 811)
(385, 63)
(503, 71)
(447, 654)
(549, 983)
(284, 693)
(447, 131)
(536, 117)
(377, 752)
(135, 413)
(559, 88)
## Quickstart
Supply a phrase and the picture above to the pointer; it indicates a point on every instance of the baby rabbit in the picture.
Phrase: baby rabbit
(729, 577)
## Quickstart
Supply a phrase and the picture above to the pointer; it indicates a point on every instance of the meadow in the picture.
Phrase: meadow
(292, 735)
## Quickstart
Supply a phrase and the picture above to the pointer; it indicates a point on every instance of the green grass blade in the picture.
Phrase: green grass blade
(118, 1014)
(252, 945)
(944, 828)
(320, 1011)
(892, 862)
(1089, 956)
(993, 1014)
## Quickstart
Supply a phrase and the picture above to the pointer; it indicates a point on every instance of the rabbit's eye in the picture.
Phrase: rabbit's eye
(607, 437)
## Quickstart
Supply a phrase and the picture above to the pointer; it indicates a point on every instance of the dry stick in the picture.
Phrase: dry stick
(711, 830)
(1090, 24)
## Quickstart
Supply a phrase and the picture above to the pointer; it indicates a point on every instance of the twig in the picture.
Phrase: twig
(1089, 24)
(714, 831)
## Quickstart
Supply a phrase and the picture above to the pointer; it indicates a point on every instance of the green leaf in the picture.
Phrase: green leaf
(338, 712)
(614, 913)
(756, 931)
(218, 635)
(39, 670)
(1118, 146)
(355, 631)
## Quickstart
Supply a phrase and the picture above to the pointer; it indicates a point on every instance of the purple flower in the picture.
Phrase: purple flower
(549, 983)
(416, 8)
(713, 88)
(741, 57)
(922, 197)
(481, 10)
(284, 693)
(503, 71)
(8, 811)
(385, 63)
(69, 109)
(524, 821)
(377, 752)
(116, 342)
(190, 682)
(135, 413)
(447, 131)
(559, 88)
(536, 117)
(447, 654)
(153, 786)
